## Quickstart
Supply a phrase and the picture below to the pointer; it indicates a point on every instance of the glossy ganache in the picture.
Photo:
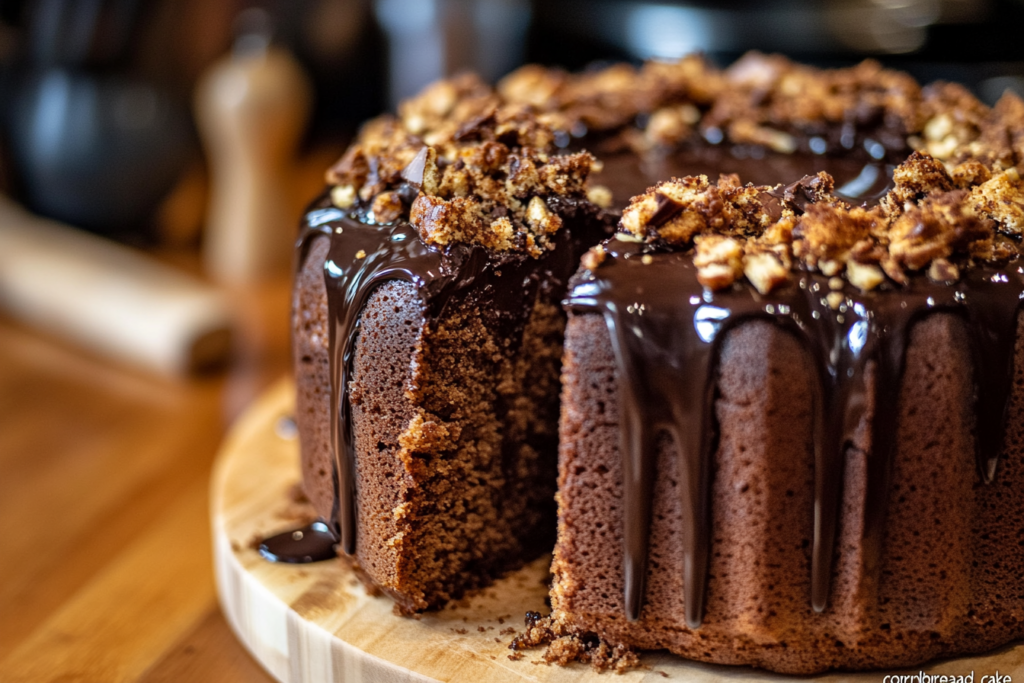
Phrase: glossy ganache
(314, 542)
(666, 332)
(364, 254)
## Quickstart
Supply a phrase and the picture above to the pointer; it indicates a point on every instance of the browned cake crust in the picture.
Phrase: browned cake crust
(952, 558)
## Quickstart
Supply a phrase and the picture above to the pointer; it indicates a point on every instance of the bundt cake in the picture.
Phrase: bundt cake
(789, 432)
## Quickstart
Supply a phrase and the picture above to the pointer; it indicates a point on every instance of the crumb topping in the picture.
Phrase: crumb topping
(930, 221)
(463, 166)
(465, 162)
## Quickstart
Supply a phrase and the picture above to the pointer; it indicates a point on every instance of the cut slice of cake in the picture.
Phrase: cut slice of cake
(428, 339)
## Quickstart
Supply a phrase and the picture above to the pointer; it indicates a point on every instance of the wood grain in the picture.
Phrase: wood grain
(209, 652)
(106, 573)
(104, 474)
(315, 624)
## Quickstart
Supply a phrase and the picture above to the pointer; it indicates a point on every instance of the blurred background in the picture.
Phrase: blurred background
(196, 131)
(155, 158)
(97, 96)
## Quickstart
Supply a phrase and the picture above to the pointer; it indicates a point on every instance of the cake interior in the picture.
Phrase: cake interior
(453, 404)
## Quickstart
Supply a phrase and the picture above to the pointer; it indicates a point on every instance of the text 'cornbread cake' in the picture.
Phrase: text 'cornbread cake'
(789, 432)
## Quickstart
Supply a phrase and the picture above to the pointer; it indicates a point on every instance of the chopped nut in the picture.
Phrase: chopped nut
(540, 218)
(387, 207)
(764, 271)
(717, 249)
(745, 130)
(1002, 199)
(647, 259)
(719, 260)
(485, 163)
(938, 128)
(942, 270)
(626, 237)
(864, 277)
(835, 283)
(593, 258)
(716, 276)
(835, 300)
(784, 143)
(943, 149)
(829, 268)
(670, 125)
(343, 196)
(600, 195)
(361, 254)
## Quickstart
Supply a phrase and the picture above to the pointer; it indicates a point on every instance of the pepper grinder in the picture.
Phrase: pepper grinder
(251, 108)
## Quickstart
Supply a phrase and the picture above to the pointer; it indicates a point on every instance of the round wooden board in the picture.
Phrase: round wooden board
(314, 623)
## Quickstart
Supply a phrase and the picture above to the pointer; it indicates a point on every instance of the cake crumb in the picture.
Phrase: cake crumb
(565, 644)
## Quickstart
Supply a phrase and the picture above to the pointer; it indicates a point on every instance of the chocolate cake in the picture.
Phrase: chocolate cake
(428, 318)
(788, 433)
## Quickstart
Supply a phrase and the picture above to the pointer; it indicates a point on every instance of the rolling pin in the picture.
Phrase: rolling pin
(108, 297)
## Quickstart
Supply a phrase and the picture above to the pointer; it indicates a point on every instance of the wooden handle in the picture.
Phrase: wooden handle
(108, 297)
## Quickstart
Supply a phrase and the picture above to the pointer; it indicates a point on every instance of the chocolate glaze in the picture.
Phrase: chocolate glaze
(627, 174)
(364, 254)
(312, 543)
(666, 332)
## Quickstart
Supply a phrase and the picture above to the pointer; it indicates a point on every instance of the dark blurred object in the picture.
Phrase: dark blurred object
(342, 49)
(429, 39)
(97, 152)
(973, 41)
(93, 145)
(93, 92)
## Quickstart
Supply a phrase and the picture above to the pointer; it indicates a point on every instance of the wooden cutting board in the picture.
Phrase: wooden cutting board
(314, 623)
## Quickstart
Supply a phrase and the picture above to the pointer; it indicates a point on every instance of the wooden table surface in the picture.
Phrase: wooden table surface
(105, 557)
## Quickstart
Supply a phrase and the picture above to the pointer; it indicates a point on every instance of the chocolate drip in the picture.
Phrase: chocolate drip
(666, 332)
(363, 255)
(314, 542)
(856, 181)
